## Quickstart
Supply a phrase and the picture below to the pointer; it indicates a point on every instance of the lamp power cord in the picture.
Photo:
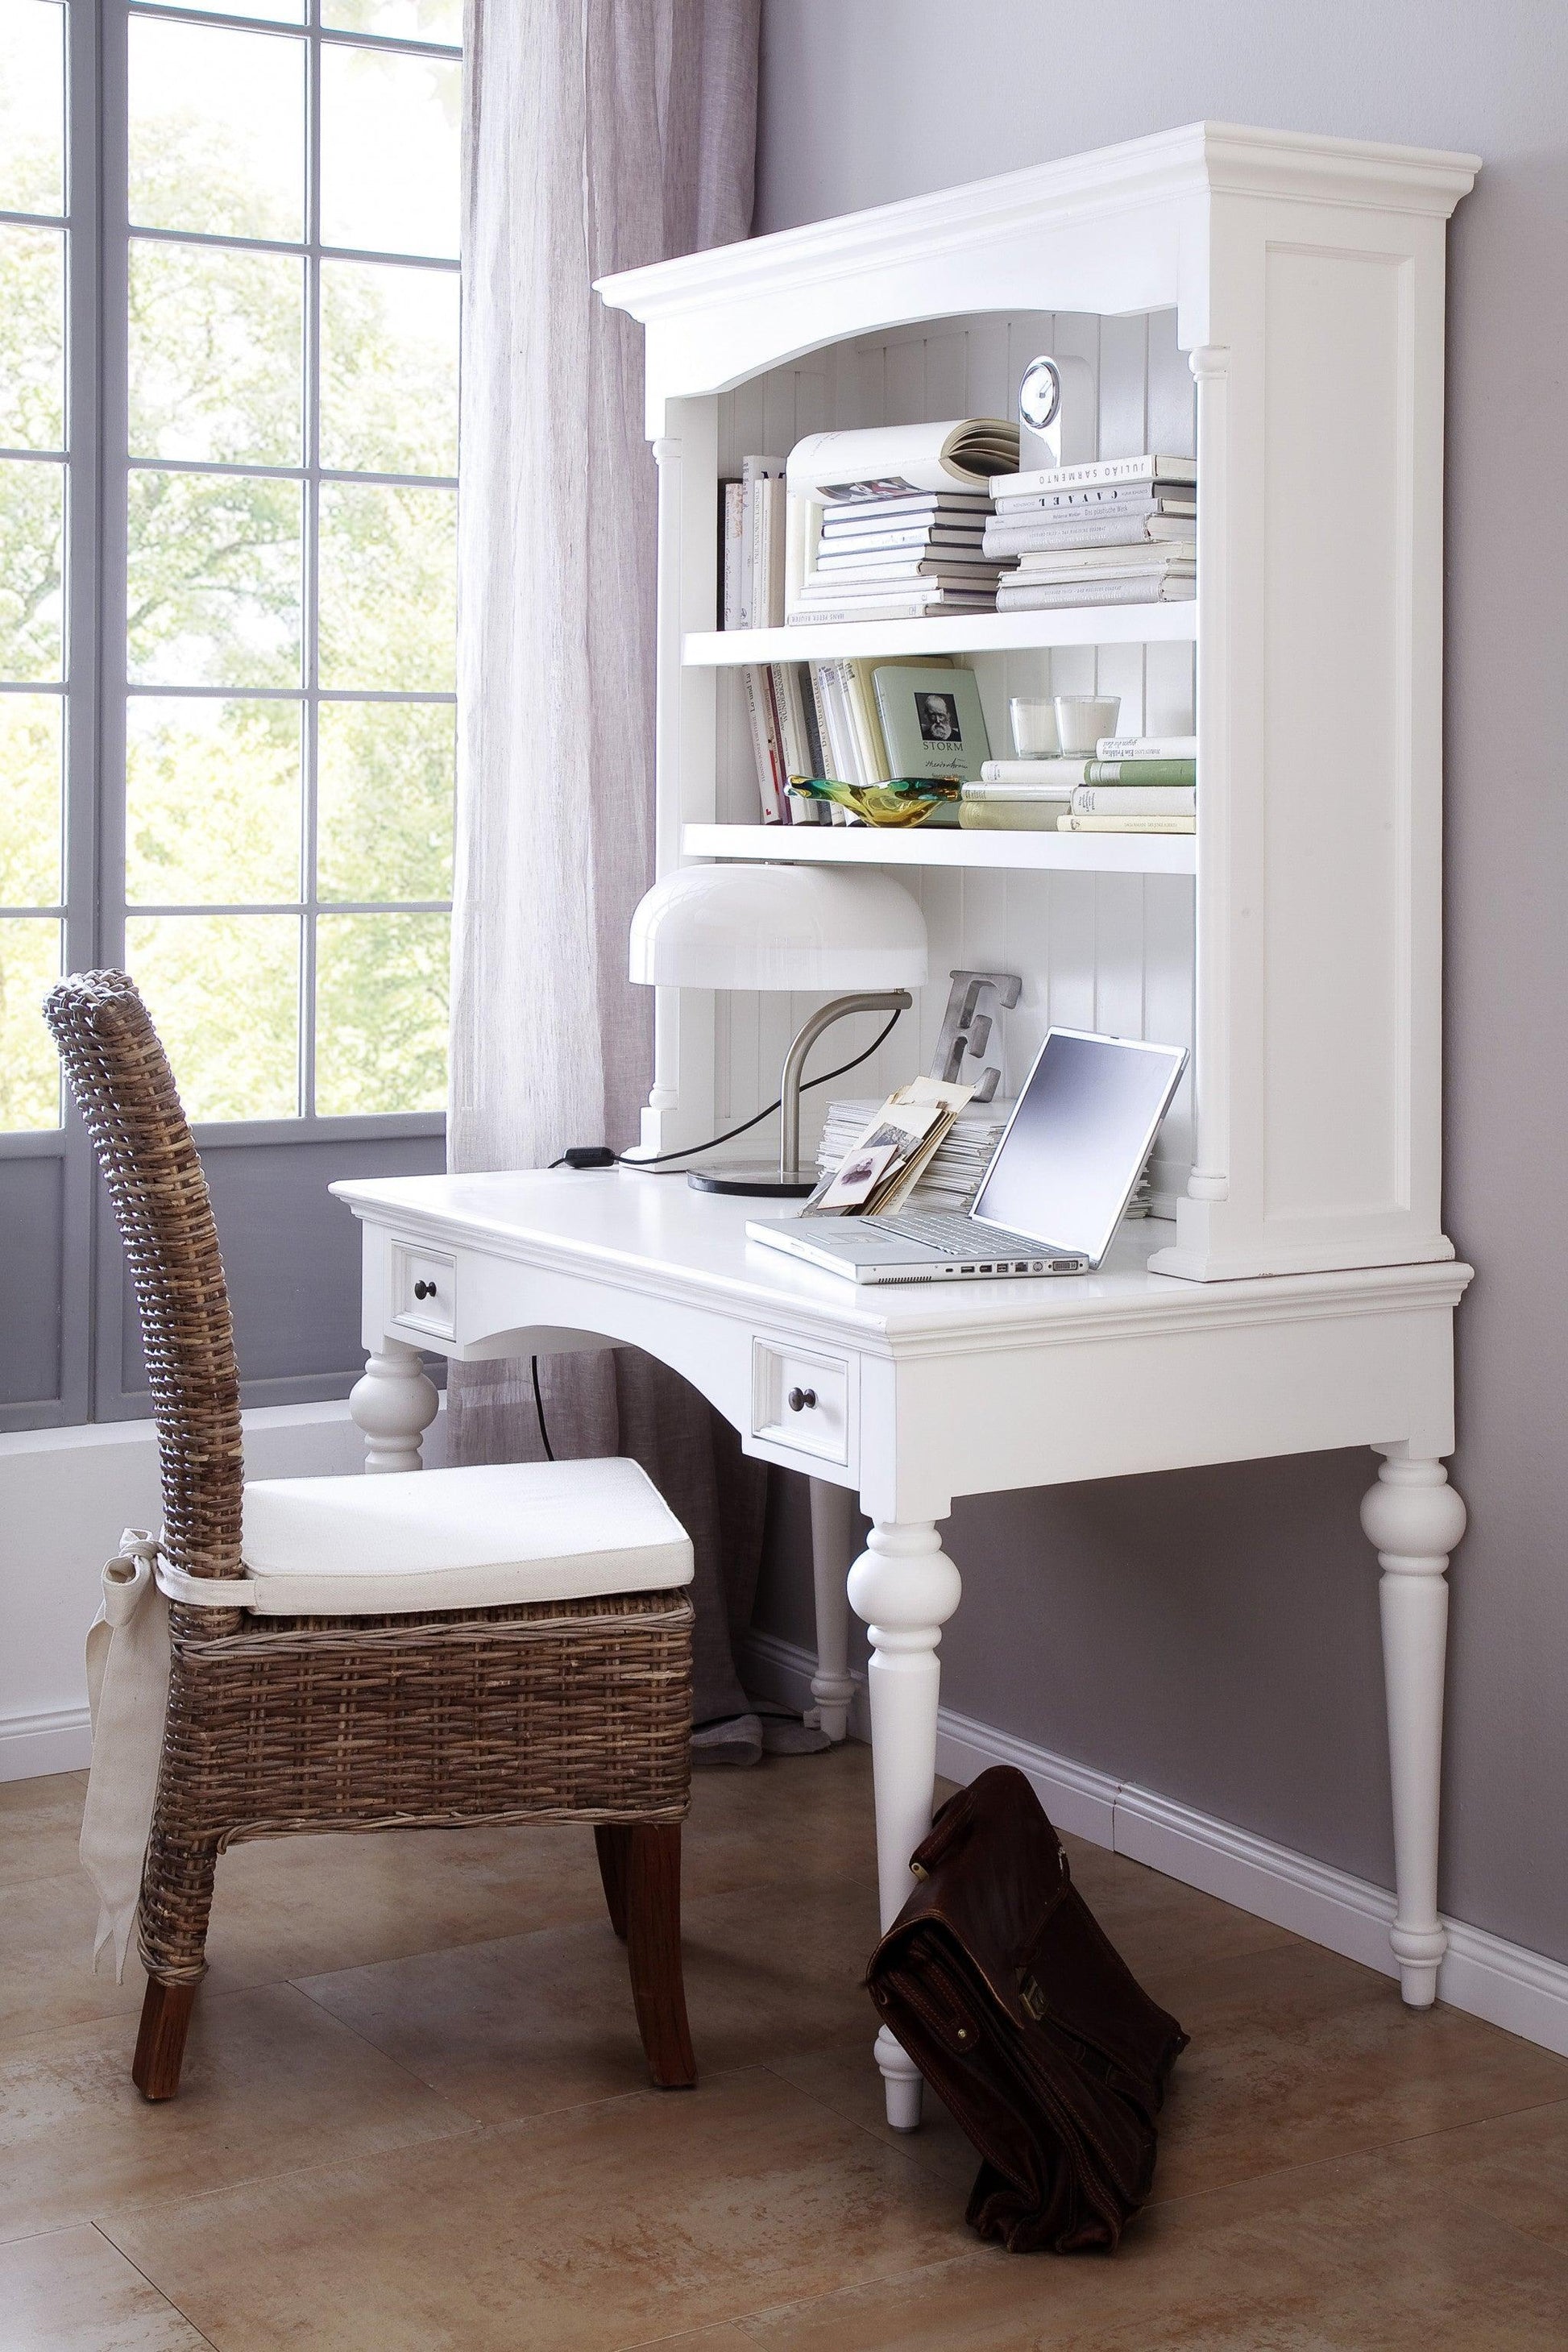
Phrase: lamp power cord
(601, 1155)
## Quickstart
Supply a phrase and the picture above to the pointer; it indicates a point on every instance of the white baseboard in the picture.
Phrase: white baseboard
(59, 1741)
(1522, 1991)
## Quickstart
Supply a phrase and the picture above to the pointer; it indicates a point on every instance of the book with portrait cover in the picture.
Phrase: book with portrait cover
(932, 723)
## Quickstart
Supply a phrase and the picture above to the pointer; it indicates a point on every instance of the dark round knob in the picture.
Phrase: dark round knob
(424, 1290)
(802, 1400)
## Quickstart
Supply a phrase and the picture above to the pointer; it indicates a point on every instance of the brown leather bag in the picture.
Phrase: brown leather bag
(1025, 2021)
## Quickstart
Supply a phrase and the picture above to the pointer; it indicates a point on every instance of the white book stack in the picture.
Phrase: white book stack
(1120, 530)
(887, 522)
(962, 1158)
(918, 550)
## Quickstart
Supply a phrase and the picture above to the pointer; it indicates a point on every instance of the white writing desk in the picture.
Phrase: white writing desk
(907, 1397)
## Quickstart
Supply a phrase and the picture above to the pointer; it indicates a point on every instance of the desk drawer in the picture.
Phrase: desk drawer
(801, 1400)
(424, 1290)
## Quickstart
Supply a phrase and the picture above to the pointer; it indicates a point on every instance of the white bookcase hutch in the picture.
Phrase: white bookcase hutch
(1275, 302)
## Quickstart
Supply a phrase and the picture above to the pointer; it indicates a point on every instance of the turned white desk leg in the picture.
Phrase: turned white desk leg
(393, 1404)
(832, 1549)
(1414, 1518)
(905, 1588)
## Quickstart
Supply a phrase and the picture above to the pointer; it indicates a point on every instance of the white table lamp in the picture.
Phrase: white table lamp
(781, 927)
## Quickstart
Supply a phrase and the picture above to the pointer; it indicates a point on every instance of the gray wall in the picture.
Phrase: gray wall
(1214, 1635)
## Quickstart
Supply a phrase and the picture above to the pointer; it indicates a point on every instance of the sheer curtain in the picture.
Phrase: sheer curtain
(600, 134)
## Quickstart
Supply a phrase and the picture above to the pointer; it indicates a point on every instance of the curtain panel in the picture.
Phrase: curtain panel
(599, 135)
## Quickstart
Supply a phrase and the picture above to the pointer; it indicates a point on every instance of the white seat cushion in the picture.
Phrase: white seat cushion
(476, 1538)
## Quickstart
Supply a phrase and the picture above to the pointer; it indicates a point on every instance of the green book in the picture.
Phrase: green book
(931, 721)
(1141, 772)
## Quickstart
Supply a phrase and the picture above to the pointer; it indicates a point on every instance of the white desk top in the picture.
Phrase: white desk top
(649, 1231)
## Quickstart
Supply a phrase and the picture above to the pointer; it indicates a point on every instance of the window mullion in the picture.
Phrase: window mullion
(311, 744)
(113, 445)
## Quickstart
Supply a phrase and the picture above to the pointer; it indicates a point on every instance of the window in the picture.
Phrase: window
(229, 360)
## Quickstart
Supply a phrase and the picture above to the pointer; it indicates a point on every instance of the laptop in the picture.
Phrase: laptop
(1067, 1165)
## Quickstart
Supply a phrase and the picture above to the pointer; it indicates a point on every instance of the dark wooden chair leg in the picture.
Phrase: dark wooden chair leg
(161, 2044)
(612, 1839)
(172, 1931)
(653, 1941)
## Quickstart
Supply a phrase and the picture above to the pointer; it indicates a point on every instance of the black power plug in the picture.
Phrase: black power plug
(589, 1155)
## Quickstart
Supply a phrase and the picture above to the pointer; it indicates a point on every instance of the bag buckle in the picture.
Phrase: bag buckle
(1033, 1999)
(918, 1870)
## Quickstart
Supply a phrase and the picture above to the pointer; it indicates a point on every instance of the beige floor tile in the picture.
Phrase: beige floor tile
(727, 2338)
(802, 1820)
(72, 2291)
(289, 1908)
(843, 2077)
(40, 1823)
(46, 1980)
(533, 2023)
(270, 2081)
(1298, 2055)
(611, 2226)
(1515, 2166)
(1170, 1936)
(1373, 2267)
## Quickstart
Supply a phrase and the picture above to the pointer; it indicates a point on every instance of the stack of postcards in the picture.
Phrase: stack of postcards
(962, 1158)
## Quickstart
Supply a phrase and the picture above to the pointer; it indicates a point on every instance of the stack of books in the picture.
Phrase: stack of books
(1134, 783)
(899, 555)
(1123, 530)
(1139, 783)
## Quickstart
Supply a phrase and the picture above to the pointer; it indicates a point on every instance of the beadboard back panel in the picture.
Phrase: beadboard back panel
(1106, 952)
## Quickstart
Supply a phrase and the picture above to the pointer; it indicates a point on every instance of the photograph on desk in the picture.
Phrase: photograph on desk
(886, 1162)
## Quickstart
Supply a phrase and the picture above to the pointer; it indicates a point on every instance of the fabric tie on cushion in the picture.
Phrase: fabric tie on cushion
(128, 1693)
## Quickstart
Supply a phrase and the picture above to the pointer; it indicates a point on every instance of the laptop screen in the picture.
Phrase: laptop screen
(1075, 1144)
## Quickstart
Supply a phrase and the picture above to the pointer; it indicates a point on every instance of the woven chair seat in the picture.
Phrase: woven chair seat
(447, 1539)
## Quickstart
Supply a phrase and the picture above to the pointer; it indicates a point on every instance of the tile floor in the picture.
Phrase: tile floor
(416, 2119)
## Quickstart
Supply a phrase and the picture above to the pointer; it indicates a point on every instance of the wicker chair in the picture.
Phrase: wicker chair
(538, 1708)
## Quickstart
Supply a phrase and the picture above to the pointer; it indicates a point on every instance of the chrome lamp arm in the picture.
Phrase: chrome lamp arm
(888, 1000)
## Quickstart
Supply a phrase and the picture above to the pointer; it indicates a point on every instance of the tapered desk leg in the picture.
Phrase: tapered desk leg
(1414, 1518)
(905, 1588)
(832, 1549)
(393, 1404)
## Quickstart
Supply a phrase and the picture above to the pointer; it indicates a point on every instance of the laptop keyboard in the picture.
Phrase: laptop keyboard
(958, 1236)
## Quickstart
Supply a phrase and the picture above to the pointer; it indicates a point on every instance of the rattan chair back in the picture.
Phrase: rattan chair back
(119, 1076)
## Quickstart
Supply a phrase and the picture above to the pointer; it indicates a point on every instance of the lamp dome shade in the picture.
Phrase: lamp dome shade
(805, 927)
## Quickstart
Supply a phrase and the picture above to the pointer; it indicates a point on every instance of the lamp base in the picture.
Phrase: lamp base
(758, 1182)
